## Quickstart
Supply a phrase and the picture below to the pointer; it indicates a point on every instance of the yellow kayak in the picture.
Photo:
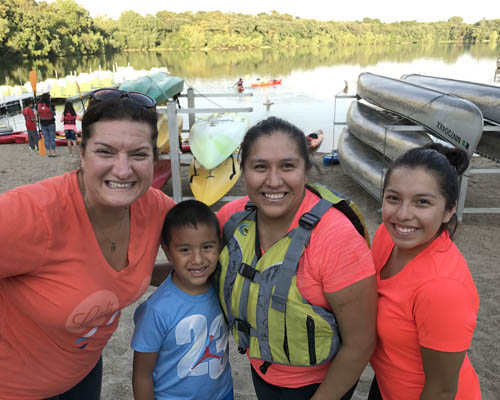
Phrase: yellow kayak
(209, 186)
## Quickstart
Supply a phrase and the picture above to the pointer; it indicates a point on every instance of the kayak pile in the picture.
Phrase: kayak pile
(215, 169)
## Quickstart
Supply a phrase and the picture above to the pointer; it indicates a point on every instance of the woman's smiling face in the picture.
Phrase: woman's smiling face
(275, 176)
(413, 209)
(117, 163)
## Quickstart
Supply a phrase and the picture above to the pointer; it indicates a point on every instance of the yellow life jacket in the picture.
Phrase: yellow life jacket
(259, 295)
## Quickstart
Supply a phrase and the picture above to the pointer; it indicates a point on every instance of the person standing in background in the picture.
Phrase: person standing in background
(69, 117)
(47, 113)
(30, 120)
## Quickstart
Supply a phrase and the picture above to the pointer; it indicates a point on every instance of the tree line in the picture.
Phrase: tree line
(63, 27)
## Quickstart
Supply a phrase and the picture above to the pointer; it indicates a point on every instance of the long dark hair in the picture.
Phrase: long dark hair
(442, 162)
(268, 127)
(68, 108)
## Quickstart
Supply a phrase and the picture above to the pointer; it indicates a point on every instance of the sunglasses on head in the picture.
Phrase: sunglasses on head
(112, 94)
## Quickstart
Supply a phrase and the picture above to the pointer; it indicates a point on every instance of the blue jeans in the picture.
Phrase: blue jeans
(89, 387)
(49, 136)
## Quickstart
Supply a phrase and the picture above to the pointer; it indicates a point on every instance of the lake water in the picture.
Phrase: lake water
(310, 77)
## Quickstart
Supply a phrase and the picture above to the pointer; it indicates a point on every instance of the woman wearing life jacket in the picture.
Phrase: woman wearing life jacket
(69, 118)
(47, 113)
(305, 317)
(427, 300)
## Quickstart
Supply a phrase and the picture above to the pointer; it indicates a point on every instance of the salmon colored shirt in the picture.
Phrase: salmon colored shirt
(337, 256)
(432, 302)
(60, 300)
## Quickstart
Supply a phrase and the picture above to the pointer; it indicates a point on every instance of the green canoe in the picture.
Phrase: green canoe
(160, 86)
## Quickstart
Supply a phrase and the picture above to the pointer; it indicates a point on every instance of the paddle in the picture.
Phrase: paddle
(80, 94)
(41, 143)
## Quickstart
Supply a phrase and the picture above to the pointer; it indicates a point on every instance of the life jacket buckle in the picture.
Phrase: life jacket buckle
(242, 326)
(247, 271)
(309, 221)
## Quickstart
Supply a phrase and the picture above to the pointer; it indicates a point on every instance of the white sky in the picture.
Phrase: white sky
(347, 10)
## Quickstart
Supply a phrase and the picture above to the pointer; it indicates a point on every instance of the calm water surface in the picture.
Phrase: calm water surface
(311, 77)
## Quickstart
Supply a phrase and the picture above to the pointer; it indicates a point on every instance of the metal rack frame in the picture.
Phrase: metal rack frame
(175, 156)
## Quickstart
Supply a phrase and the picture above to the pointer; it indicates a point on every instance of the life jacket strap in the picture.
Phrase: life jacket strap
(297, 245)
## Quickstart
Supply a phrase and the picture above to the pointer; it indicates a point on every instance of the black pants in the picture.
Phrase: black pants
(266, 391)
(374, 391)
(89, 387)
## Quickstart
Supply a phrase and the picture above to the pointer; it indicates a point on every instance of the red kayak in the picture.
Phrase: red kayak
(314, 139)
(7, 139)
(266, 83)
(161, 173)
(21, 137)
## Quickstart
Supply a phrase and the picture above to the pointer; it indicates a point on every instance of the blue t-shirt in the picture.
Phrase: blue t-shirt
(190, 335)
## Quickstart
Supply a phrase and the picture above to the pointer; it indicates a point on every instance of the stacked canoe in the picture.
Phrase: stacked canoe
(215, 168)
(161, 86)
(395, 115)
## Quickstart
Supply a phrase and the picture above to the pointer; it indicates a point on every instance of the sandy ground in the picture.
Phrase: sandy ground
(477, 238)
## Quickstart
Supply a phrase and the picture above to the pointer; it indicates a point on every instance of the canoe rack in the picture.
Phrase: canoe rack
(176, 156)
(464, 180)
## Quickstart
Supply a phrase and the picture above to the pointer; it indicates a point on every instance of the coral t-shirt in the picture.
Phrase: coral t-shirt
(337, 256)
(60, 300)
(432, 302)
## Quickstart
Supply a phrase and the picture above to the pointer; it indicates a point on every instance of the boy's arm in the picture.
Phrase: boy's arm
(142, 376)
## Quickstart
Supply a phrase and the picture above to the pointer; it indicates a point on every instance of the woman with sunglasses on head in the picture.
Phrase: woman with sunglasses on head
(296, 282)
(76, 249)
(428, 303)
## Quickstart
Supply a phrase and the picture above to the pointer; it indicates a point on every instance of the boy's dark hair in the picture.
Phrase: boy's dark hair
(190, 213)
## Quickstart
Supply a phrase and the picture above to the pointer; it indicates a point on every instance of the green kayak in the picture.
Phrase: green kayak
(160, 86)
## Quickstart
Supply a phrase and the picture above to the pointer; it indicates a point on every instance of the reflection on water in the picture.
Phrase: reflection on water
(311, 77)
(216, 64)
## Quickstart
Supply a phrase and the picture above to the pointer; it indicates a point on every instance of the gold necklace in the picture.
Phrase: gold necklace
(94, 216)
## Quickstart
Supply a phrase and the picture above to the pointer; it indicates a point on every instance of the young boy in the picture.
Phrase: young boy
(181, 338)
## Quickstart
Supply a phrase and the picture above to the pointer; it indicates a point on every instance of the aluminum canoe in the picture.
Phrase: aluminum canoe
(448, 117)
(485, 97)
(375, 127)
(362, 163)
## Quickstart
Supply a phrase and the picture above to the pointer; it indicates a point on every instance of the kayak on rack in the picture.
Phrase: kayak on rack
(161, 86)
(214, 138)
(209, 186)
(5, 130)
(163, 141)
(448, 117)
(373, 127)
(161, 173)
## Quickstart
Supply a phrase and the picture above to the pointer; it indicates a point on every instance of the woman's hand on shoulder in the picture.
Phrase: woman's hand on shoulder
(441, 371)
